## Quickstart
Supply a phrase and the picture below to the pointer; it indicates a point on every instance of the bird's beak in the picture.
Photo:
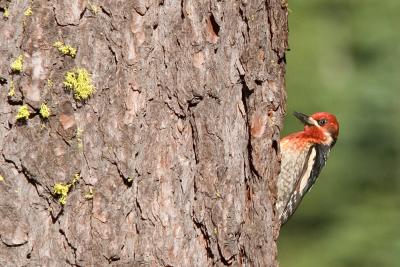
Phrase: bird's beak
(303, 118)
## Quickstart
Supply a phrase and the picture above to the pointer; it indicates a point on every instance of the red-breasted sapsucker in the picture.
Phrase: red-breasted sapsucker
(304, 154)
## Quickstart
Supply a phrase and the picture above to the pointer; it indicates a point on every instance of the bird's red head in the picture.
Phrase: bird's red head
(321, 126)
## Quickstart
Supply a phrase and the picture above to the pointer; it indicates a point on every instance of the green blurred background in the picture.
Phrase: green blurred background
(345, 59)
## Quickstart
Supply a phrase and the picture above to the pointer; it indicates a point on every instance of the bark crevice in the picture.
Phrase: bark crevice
(73, 249)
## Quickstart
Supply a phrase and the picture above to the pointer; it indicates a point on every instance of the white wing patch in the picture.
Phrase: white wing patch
(307, 172)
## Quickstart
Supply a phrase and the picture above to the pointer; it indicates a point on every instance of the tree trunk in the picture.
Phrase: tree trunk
(172, 160)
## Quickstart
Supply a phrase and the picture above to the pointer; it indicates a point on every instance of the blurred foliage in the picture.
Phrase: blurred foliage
(344, 59)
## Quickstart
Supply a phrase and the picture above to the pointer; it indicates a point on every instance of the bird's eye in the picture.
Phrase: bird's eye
(322, 122)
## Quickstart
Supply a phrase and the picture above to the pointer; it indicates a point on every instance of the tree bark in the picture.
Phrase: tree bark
(177, 149)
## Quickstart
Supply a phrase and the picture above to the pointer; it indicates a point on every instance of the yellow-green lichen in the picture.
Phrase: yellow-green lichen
(62, 190)
(58, 44)
(44, 111)
(89, 195)
(28, 12)
(11, 90)
(76, 178)
(18, 64)
(50, 83)
(94, 8)
(215, 231)
(79, 81)
(23, 113)
(65, 49)
(1, 178)
(6, 13)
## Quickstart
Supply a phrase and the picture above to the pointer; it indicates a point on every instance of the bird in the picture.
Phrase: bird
(304, 154)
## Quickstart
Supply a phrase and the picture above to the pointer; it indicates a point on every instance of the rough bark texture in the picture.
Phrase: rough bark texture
(179, 143)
